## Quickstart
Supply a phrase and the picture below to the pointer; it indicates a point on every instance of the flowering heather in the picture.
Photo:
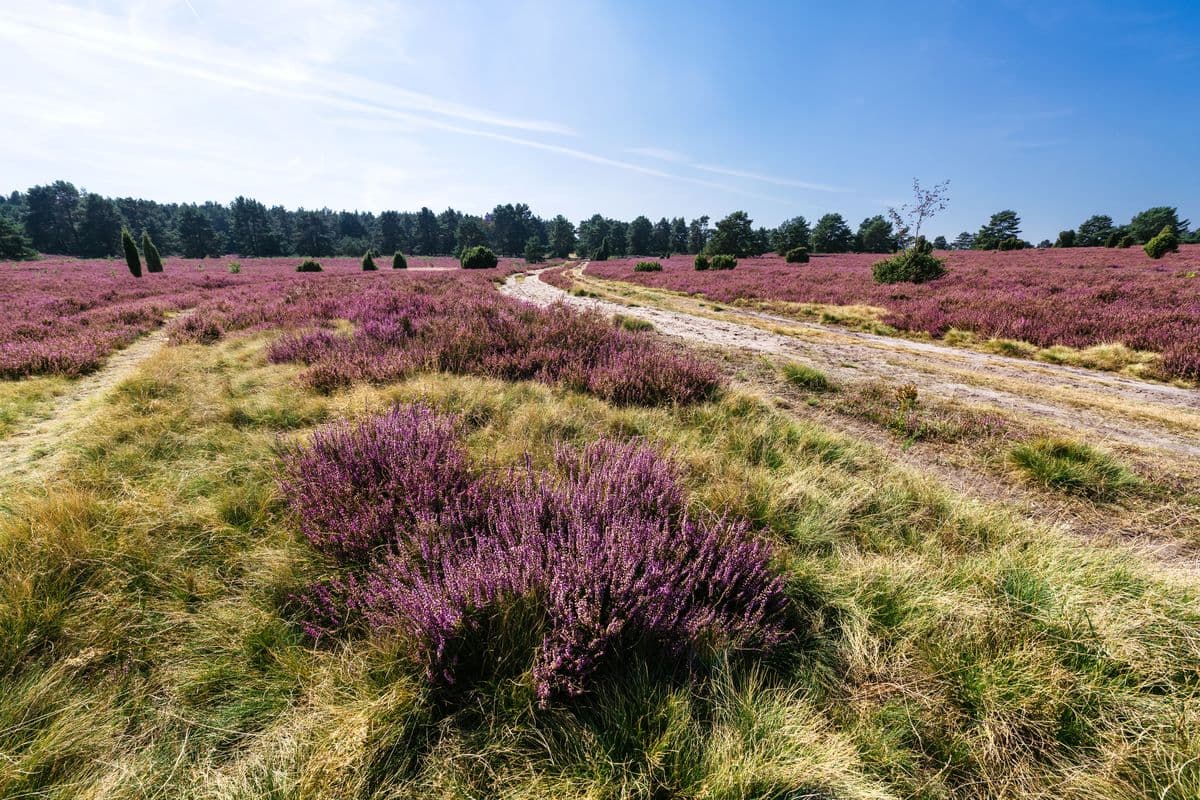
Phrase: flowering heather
(65, 316)
(602, 547)
(1074, 296)
(467, 328)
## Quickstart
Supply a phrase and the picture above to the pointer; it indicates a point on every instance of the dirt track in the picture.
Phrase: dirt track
(29, 453)
(1095, 406)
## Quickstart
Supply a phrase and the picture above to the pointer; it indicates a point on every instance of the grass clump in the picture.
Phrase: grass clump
(235, 267)
(1073, 468)
(309, 265)
(805, 377)
(634, 324)
(647, 266)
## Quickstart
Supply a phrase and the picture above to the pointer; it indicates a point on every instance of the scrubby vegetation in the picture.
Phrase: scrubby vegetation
(368, 262)
(917, 264)
(797, 255)
(647, 266)
(478, 257)
(399, 262)
(1073, 468)
(722, 261)
(1166, 241)
(309, 265)
(133, 259)
(700, 262)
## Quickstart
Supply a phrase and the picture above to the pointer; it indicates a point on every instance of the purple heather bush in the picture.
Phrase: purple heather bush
(601, 549)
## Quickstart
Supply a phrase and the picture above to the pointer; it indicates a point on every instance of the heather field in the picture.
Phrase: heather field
(1078, 297)
(63, 316)
(401, 535)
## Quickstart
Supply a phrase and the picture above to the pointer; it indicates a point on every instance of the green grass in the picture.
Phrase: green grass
(1073, 468)
(805, 377)
(944, 649)
(25, 401)
(634, 324)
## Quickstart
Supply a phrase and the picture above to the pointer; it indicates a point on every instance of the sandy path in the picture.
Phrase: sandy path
(1097, 407)
(30, 453)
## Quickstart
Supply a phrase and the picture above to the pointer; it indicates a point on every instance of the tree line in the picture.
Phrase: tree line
(61, 219)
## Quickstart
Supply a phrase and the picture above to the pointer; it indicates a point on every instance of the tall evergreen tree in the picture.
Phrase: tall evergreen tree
(14, 245)
(131, 253)
(1002, 226)
(790, 234)
(99, 232)
(197, 238)
(640, 231)
(831, 234)
(562, 237)
(153, 260)
(51, 216)
(733, 236)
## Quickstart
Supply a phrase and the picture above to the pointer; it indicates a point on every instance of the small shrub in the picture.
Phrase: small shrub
(632, 323)
(701, 262)
(309, 265)
(797, 255)
(398, 261)
(1072, 468)
(1167, 241)
(478, 257)
(1113, 239)
(368, 262)
(647, 266)
(1011, 243)
(153, 259)
(1126, 241)
(805, 377)
(722, 261)
(235, 267)
(915, 265)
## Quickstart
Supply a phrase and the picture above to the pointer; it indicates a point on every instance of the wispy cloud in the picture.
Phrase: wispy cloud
(104, 35)
(772, 179)
(659, 154)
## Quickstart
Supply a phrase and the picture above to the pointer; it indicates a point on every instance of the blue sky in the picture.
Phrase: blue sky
(1057, 110)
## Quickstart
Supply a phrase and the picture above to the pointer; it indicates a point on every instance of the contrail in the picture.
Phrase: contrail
(193, 8)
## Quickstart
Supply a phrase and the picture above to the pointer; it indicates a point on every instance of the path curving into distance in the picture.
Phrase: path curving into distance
(1096, 407)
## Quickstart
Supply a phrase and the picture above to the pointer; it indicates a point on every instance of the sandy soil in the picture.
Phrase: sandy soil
(1096, 407)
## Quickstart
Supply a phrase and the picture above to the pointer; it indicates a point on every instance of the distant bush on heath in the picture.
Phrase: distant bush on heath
(368, 262)
(1113, 239)
(132, 259)
(797, 255)
(647, 266)
(701, 262)
(722, 261)
(1073, 468)
(1126, 241)
(478, 257)
(1011, 243)
(235, 267)
(309, 265)
(450, 559)
(914, 265)
(1166, 241)
(153, 259)
(398, 261)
